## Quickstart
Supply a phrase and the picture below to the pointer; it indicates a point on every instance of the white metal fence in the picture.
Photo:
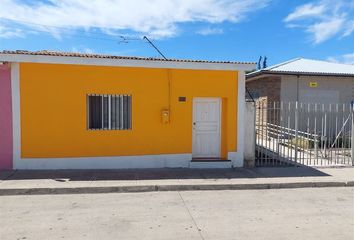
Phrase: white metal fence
(304, 134)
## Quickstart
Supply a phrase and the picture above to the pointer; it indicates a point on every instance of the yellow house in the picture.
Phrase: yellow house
(85, 111)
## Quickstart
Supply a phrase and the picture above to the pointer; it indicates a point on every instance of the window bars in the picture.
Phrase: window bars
(109, 112)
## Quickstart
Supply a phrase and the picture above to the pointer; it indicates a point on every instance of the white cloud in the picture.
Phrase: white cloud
(158, 18)
(345, 58)
(82, 50)
(324, 19)
(210, 31)
(307, 10)
(6, 32)
(349, 29)
(326, 29)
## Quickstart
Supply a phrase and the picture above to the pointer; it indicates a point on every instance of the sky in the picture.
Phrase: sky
(235, 30)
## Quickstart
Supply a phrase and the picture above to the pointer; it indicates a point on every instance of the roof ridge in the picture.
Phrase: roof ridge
(283, 63)
(274, 66)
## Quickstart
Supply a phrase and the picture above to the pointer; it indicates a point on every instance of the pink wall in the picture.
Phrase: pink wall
(5, 118)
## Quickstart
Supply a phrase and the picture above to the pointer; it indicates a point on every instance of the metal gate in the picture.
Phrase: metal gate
(309, 134)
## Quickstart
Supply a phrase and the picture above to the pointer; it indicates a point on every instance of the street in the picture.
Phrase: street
(309, 213)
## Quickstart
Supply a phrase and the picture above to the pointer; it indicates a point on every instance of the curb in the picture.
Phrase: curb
(164, 188)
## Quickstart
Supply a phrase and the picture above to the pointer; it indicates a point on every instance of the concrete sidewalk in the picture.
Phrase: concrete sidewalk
(108, 181)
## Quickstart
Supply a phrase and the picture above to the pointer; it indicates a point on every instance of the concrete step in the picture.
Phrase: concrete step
(210, 164)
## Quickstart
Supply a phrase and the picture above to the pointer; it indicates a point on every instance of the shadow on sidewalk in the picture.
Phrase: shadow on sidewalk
(160, 174)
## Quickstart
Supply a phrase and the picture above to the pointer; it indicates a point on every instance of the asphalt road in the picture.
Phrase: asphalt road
(311, 213)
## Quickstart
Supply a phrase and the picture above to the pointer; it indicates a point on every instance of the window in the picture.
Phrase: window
(109, 112)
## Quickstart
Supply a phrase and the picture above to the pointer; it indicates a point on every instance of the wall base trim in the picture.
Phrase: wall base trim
(123, 162)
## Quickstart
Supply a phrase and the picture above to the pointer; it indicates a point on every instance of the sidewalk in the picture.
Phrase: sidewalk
(106, 181)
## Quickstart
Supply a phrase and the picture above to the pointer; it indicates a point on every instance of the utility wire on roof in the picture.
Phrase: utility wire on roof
(126, 39)
(153, 45)
(123, 39)
(84, 35)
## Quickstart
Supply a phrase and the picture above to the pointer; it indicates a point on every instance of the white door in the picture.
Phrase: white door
(206, 128)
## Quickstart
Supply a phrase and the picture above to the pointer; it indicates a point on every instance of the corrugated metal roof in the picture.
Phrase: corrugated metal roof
(304, 66)
(84, 55)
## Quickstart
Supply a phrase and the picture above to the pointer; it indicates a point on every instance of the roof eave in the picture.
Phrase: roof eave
(125, 62)
(250, 76)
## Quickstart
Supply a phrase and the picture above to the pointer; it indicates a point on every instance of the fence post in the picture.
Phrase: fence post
(315, 134)
(352, 138)
(250, 135)
(296, 128)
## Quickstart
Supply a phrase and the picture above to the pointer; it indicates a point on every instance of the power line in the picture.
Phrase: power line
(122, 37)
(153, 45)
(125, 39)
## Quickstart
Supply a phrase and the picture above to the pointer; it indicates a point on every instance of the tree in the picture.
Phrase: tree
(265, 62)
(259, 63)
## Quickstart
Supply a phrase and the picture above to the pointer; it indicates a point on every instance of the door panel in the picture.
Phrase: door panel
(206, 127)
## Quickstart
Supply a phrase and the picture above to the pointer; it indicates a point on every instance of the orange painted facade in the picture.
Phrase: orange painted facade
(54, 117)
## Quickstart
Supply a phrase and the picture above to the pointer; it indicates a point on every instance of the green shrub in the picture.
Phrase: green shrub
(301, 142)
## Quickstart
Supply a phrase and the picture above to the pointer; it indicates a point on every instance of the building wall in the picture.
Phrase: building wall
(267, 88)
(5, 117)
(341, 88)
(267, 91)
(53, 109)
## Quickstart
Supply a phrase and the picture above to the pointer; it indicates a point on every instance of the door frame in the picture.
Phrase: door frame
(219, 99)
